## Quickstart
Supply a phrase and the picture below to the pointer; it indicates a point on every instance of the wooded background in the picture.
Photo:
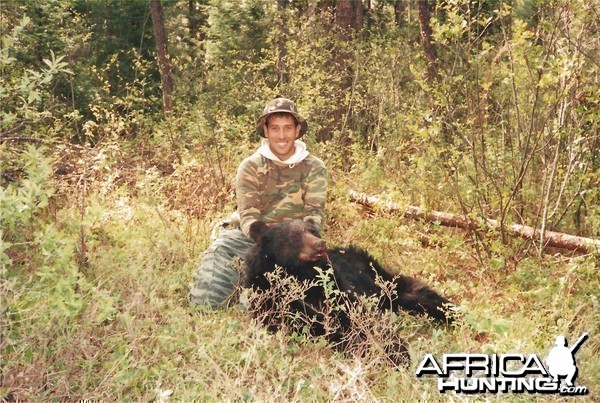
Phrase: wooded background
(491, 106)
(122, 124)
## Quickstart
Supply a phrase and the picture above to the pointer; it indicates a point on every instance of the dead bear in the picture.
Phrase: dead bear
(323, 307)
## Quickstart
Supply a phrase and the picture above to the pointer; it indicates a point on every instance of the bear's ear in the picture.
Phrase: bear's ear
(257, 230)
(313, 227)
(310, 220)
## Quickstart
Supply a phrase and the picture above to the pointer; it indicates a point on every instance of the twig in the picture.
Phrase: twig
(20, 127)
(41, 141)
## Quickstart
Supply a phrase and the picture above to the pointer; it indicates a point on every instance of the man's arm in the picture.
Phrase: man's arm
(247, 191)
(315, 195)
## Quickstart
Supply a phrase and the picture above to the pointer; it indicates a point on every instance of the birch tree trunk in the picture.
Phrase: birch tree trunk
(550, 238)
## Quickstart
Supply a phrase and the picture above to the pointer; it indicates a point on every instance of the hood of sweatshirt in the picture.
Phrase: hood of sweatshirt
(300, 153)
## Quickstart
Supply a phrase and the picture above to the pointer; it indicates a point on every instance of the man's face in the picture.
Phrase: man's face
(281, 132)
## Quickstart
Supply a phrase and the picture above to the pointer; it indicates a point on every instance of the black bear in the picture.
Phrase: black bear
(323, 306)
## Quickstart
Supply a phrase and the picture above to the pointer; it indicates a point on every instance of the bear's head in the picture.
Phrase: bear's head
(292, 244)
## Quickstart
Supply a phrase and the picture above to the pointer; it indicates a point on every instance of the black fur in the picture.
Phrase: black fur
(257, 230)
(296, 247)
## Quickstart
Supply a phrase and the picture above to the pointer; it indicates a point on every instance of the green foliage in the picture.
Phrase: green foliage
(122, 106)
(236, 31)
(43, 293)
(25, 91)
(21, 204)
(109, 49)
(98, 244)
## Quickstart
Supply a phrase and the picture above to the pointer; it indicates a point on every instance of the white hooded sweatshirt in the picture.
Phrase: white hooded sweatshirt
(300, 153)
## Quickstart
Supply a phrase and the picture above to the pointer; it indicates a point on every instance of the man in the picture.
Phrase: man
(280, 181)
(561, 361)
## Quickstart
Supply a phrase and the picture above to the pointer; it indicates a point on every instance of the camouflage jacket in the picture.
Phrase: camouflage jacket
(273, 192)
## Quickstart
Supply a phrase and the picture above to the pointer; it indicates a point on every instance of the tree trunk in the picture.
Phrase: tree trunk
(425, 35)
(282, 53)
(349, 14)
(161, 52)
(551, 238)
(193, 23)
(399, 8)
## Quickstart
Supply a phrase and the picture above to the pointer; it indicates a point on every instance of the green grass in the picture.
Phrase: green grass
(116, 325)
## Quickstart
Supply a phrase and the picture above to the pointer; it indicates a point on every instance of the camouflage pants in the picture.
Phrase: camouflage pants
(218, 273)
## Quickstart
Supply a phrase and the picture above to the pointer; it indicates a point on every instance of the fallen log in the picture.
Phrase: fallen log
(551, 238)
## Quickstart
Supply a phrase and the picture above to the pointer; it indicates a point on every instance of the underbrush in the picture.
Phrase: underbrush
(94, 298)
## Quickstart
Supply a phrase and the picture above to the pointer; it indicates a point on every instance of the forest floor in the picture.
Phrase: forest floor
(95, 305)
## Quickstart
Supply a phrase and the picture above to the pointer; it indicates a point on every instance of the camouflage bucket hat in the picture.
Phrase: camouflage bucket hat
(280, 105)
